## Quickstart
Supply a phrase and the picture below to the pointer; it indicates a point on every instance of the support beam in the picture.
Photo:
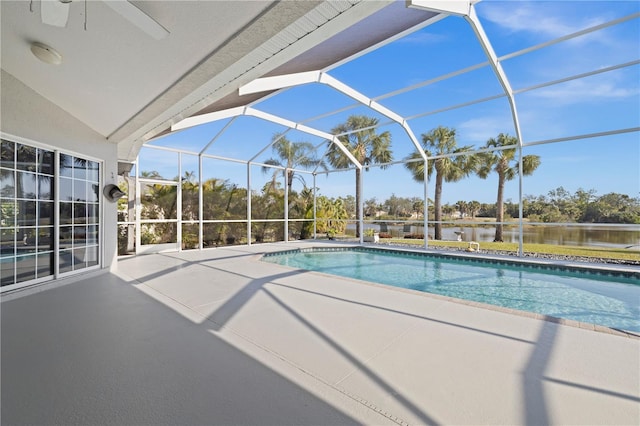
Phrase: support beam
(138, 207)
(179, 204)
(279, 82)
(360, 208)
(248, 111)
(315, 208)
(215, 138)
(354, 94)
(426, 206)
(249, 203)
(200, 204)
(473, 20)
(196, 120)
(305, 129)
(450, 7)
(466, 10)
(290, 80)
(286, 205)
(280, 136)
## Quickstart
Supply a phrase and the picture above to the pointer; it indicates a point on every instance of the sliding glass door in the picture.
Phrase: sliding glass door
(30, 178)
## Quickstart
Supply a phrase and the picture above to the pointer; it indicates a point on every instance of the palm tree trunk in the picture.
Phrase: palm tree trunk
(438, 207)
(358, 195)
(499, 209)
(131, 213)
(290, 175)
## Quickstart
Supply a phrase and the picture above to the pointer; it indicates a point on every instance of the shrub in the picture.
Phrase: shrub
(384, 235)
(415, 236)
(189, 241)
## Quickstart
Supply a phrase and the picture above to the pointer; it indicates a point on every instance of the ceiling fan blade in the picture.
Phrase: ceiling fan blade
(138, 18)
(54, 12)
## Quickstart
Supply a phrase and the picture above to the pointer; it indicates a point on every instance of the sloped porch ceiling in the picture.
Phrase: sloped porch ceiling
(323, 36)
(374, 29)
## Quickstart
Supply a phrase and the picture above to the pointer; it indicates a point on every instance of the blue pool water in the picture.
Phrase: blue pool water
(608, 299)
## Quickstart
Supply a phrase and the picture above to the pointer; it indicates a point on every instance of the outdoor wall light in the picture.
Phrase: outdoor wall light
(46, 54)
(113, 193)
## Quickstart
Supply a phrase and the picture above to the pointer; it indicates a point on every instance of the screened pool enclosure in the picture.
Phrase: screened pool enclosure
(528, 132)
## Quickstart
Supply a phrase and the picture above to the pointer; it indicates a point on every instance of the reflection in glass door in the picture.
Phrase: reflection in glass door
(79, 207)
(28, 214)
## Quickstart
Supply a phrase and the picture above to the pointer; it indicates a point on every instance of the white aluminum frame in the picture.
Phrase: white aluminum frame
(461, 8)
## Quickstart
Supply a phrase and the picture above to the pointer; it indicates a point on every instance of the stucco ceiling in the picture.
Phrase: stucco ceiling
(129, 87)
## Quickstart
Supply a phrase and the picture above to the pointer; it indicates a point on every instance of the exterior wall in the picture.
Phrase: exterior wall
(26, 114)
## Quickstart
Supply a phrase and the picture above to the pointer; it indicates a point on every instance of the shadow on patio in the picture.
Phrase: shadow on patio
(101, 352)
(235, 340)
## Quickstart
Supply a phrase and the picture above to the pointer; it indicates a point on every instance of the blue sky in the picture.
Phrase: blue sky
(598, 103)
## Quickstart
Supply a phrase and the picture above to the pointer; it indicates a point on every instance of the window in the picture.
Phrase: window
(79, 207)
(28, 213)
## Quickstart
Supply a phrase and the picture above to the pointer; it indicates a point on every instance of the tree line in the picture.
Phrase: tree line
(558, 206)
(223, 200)
(359, 137)
(226, 203)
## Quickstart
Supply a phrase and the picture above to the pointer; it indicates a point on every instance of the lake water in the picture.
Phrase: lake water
(600, 236)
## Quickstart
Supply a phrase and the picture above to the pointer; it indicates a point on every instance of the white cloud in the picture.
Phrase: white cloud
(479, 130)
(537, 18)
(580, 91)
(522, 19)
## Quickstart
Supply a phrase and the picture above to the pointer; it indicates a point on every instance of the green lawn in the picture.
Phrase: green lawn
(599, 252)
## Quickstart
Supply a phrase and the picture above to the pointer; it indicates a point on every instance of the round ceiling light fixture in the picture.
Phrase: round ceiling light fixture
(46, 54)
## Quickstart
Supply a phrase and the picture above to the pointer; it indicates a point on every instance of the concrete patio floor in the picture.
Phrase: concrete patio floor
(217, 337)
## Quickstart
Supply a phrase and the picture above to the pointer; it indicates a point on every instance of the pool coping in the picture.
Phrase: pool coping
(546, 263)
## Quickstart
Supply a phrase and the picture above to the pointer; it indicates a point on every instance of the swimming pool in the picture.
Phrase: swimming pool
(607, 298)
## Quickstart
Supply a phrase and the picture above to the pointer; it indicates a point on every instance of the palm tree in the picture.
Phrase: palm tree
(463, 208)
(441, 141)
(293, 155)
(474, 207)
(371, 207)
(365, 144)
(448, 210)
(151, 175)
(500, 161)
(304, 206)
(418, 207)
(190, 178)
(331, 215)
(190, 198)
